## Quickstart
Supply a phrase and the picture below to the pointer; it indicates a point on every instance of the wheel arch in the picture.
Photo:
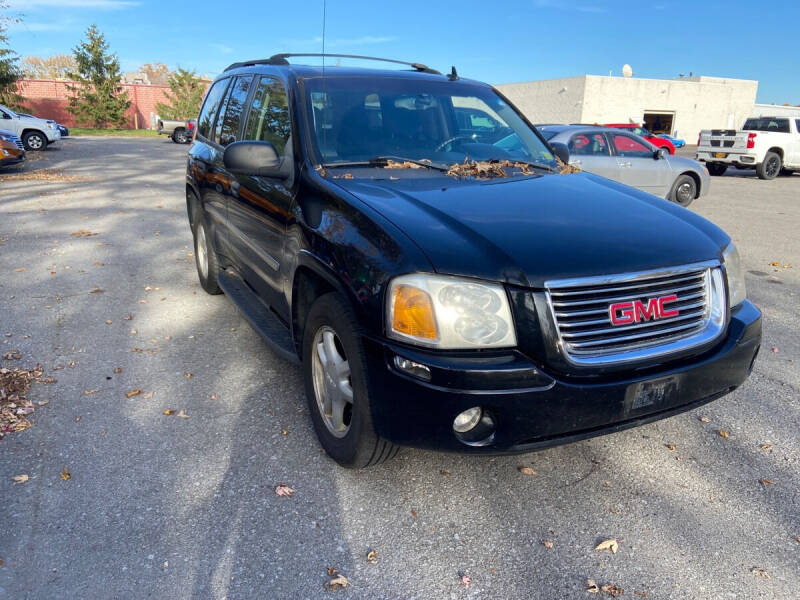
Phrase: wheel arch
(697, 182)
(192, 204)
(777, 150)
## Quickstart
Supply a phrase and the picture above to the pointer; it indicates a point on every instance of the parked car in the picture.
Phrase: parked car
(61, 128)
(445, 292)
(630, 159)
(676, 142)
(11, 150)
(657, 141)
(768, 144)
(177, 130)
(35, 133)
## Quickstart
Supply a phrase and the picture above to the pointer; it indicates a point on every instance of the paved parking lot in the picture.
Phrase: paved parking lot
(162, 506)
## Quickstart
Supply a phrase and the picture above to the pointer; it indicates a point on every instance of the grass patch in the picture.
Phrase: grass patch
(75, 131)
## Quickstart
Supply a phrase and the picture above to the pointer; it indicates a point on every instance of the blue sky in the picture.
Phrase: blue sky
(498, 42)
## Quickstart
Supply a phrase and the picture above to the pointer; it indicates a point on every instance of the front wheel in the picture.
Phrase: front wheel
(770, 166)
(684, 190)
(716, 169)
(34, 140)
(337, 386)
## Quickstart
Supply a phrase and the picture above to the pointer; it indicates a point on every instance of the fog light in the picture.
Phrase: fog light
(412, 368)
(467, 419)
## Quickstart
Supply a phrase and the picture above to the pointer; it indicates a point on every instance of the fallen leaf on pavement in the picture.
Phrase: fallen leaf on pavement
(591, 586)
(97, 290)
(65, 474)
(526, 470)
(148, 395)
(214, 397)
(372, 557)
(612, 590)
(774, 350)
(413, 513)
(128, 317)
(182, 414)
(90, 392)
(83, 233)
(20, 270)
(610, 544)
(670, 447)
(97, 263)
(169, 412)
(760, 572)
(20, 478)
(283, 490)
(766, 446)
(766, 482)
(284, 432)
(188, 375)
(337, 581)
(132, 393)
(12, 355)
(723, 433)
(705, 419)
(443, 472)
(465, 579)
(117, 370)
(547, 544)
(109, 321)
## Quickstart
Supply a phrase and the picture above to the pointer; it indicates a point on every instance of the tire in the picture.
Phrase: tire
(683, 190)
(716, 169)
(205, 257)
(331, 339)
(34, 141)
(179, 136)
(770, 166)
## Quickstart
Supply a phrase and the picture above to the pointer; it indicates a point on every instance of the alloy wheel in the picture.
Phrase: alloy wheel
(332, 387)
(202, 251)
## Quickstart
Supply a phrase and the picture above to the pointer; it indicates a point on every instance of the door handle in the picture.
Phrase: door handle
(625, 164)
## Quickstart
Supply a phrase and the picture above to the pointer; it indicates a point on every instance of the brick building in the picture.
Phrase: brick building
(49, 98)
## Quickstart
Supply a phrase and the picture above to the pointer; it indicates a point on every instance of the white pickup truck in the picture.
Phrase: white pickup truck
(34, 133)
(768, 144)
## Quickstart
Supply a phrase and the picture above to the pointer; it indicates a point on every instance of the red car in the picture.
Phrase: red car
(659, 142)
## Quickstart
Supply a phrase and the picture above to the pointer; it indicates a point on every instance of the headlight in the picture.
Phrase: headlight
(733, 270)
(449, 313)
(51, 126)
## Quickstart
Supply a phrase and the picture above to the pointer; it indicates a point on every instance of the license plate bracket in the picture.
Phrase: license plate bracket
(651, 395)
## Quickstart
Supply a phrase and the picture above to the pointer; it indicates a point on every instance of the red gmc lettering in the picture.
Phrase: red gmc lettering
(625, 313)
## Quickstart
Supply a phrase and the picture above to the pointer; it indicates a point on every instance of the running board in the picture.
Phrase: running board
(258, 315)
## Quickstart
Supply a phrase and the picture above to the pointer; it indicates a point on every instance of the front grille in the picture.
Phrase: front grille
(582, 311)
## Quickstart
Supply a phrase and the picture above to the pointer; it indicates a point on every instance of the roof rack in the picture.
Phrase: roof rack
(280, 59)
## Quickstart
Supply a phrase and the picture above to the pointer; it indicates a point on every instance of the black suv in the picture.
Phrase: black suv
(443, 285)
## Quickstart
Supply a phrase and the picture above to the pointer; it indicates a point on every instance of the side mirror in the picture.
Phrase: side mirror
(660, 153)
(561, 151)
(253, 158)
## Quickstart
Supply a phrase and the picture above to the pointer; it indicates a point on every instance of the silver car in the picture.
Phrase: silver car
(632, 160)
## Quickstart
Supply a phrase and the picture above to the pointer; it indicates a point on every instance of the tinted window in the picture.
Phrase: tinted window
(269, 115)
(626, 145)
(210, 107)
(797, 124)
(588, 144)
(548, 134)
(228, 126)
(767, 124)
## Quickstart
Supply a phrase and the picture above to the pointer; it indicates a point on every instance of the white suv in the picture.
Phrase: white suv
(34, 133)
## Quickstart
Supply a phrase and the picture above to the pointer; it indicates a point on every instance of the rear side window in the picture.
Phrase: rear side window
(767, 124)
(210, 107)
(231, 114)
(269, 115)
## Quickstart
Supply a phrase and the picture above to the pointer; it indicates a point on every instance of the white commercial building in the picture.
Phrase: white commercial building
(680, 107)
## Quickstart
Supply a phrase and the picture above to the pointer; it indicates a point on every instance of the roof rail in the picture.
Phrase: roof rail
(280, 59)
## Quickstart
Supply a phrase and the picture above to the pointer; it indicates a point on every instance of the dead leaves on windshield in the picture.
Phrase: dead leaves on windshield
(488, 169)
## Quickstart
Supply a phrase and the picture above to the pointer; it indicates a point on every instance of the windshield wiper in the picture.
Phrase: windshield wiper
(389, 162)
(529, 163)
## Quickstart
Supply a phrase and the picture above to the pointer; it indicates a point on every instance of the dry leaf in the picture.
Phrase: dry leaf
(83, 233)
(169, 412)
(705, 419)
(766, 482)
(20, 478)
(670, 447)
(20, 270)
(547, 544)
(188, 375)
(797, 539)
(591, 586)
(65, 474)
(283, 490)
(413, 513)
(182, 414)
(526, 470)
(90, 392)
(97, 290)
(338, 581)
(372, 557)
(117, 370)
(108, 321)
(214, 397)
(12, 355)
(760, 572)
(443, 472)
(612, 590)
(97, 263)
(766, 446)
(774, 350)
(465, 579)
(723, 433)
(148, 395)
(610, 544)
(284, 432)
(132, 393)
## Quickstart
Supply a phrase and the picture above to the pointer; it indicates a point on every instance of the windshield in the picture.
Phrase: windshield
(356, 119)
(10, 112)
(767, 124)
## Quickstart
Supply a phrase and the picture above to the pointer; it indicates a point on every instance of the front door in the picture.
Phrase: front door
(589, 151)
(638, 167)
(259, 208)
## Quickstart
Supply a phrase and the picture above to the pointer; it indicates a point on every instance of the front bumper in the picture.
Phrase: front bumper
(53, 135)
(11, 155)
(532, 409)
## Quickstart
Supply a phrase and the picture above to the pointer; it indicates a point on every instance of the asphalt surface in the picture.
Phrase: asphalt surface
(163, 507)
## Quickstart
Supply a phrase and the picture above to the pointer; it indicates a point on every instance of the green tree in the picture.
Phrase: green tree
(183, 99)
(9, 68)
(98, 98)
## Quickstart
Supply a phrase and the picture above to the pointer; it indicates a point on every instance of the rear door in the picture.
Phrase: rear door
(796, 144)
(591, 153)
(259, 208)
(637, 166)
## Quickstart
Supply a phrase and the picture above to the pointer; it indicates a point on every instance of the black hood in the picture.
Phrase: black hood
(527, 230)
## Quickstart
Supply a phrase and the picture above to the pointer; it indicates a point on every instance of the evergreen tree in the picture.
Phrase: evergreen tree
(9, 69)
(185, 95)
(98, 98)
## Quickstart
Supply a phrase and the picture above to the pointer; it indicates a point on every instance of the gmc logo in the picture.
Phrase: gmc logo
(636, 311)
